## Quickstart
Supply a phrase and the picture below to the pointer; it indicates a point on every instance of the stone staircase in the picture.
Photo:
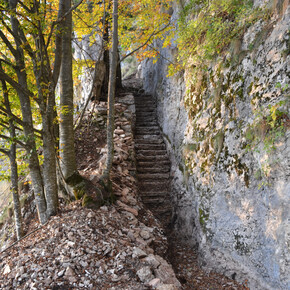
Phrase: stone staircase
(153, 165)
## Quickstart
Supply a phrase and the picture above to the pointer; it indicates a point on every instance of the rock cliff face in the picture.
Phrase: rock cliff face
(231, 152)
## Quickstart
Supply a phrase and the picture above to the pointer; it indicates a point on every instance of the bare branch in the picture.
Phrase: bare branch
(17, 141)
(5, 152)
(60, 20)
(146, 42)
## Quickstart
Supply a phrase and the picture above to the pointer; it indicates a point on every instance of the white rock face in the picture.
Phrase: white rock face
(236, 206)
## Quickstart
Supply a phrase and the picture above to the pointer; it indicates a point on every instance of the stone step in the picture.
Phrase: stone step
(145, 104)
(144, 100)
(143, 116)
(154, 176)
(153, 164)
(153, 194)
(147, 124)
(150, 141)
(155, 133)
(153, 200)
(147, 137)
(153, 186)
(151, 158)
(148, 128)
(150, 146)
(153, 127)
(145, 120)
(147, 131)
(161, 210)
(153, 169)
(146, 110)
(152, 152)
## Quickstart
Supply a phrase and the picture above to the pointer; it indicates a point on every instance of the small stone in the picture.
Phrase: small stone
(154, 282)
(84, 264)
(20, 271)
(70, 244)
(145, 274)
(7, 270)
(104, 208)
(127, 208)
(90, 215)
(137, 252)
(166, 273)
(69, 272)
(167, 287)
(145, 235)
(47, 281)
(125, 191)
(72, 279)
(60, 273)
(152, 261)
(119, 131)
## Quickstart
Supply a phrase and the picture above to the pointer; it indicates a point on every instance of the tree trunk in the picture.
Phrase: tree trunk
(106, 55)
(13, 168)
(111, 93)
(33, 161)
(67, 149)
(49, 164)
(119, 74)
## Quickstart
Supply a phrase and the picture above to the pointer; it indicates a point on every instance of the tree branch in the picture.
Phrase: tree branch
(5, 152)
(145, 43)
(54, 23)
(8, 43)
(17, 141)
(14, 84)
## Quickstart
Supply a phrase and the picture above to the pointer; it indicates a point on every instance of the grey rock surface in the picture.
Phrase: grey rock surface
(232, 195)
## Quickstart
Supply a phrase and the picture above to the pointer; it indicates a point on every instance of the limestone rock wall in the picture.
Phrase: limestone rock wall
(230, 158)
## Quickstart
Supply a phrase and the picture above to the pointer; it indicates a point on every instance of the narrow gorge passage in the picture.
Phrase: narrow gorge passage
(153, 174)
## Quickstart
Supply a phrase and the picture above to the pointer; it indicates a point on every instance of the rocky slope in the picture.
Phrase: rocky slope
(230, 164)
(116, 247)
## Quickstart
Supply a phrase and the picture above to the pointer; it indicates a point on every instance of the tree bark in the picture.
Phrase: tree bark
(67, 149)
(111, 93)
(13, 168)
(119, 74)
(33, 161)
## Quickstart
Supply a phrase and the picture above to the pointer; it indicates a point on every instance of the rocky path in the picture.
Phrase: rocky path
(153, 175)
(153, 164)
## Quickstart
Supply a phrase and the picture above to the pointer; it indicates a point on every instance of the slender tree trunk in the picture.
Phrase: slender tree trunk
(106, 59)
(111, 93)
(49, 165)
(67, 149)
(119, 74)
(14, 187)
(33, 161)
(14, 169)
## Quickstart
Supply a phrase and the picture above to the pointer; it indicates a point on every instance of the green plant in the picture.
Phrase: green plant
(207, 28)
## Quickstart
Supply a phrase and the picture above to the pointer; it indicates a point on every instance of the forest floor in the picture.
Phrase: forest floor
(119, 246)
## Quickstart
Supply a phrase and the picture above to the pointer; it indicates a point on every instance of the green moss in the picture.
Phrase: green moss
(74, 179)
(88, 201)
(203, 218)
(218, 143)
(79, 190)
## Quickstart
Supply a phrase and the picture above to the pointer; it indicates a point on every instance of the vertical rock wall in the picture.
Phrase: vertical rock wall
(230, 156)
